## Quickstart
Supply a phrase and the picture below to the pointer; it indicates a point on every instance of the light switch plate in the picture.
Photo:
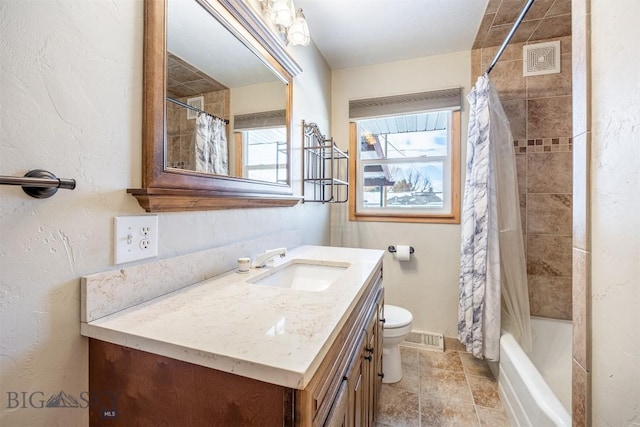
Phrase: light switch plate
(135, 238)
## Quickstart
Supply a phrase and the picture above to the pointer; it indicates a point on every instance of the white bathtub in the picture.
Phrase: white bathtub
(536, 388)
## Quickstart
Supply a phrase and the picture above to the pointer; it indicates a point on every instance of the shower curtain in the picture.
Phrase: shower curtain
(210, 141)
(493, 277)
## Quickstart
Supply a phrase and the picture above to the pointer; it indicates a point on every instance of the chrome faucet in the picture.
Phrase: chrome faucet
(262, 259)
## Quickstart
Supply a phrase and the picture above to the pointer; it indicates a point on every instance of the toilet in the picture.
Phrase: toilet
(397, 325)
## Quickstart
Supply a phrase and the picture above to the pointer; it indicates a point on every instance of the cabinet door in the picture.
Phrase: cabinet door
(370, 368)
(372, 362)
(339, 414)
(355, 385)
(378, 348)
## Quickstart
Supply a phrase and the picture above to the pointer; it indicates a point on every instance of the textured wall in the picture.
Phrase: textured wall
(71, 87)
(615, 208)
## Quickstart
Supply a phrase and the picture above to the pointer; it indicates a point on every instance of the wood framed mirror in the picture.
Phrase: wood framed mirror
(168, 185)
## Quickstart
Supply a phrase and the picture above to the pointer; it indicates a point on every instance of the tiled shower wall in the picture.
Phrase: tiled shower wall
(540, 111)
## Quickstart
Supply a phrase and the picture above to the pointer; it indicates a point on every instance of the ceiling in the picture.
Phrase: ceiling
(200, 41)
(353, 33)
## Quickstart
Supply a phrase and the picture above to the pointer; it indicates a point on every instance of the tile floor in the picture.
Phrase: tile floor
(439, 390)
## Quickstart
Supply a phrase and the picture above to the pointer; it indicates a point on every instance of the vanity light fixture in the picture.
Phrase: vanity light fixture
(298, 33)
(288, 21)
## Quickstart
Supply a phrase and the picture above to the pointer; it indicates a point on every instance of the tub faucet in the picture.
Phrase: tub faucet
(262, 259)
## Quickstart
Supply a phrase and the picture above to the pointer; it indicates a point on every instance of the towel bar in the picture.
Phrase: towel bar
(39, 183)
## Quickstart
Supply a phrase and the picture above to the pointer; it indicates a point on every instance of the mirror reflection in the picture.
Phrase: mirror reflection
(226, 109)
(264, 154)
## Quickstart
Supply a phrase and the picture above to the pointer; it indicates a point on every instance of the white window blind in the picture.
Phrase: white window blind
(260, 120)
(445, 99)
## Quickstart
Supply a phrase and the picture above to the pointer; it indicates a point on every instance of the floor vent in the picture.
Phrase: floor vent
(425, 340)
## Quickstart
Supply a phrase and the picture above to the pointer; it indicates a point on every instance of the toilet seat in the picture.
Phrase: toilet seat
(396, 317)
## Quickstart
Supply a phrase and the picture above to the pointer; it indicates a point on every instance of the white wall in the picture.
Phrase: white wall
(272, 96)
(71, 87)
(615, 203)
(427, 285)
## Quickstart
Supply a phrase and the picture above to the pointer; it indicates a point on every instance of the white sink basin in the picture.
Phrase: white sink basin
(302, 275)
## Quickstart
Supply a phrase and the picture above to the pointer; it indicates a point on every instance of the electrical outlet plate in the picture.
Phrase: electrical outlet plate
(135, 238)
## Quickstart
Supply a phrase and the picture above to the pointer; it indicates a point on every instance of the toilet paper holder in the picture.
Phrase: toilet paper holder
(392, 249)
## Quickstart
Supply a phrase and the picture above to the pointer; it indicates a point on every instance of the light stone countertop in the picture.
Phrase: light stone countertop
(271, 334)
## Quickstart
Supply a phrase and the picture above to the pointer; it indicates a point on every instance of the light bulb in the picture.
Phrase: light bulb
(282, 13)
(298, 33)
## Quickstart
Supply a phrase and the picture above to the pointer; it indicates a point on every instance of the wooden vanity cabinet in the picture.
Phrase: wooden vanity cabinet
(354, 362)
(129, 387)
(363, 376)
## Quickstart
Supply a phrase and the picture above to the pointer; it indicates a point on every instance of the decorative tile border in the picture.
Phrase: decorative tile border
(543, 145)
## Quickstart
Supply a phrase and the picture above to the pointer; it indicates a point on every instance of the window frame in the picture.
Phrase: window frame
(391, 214)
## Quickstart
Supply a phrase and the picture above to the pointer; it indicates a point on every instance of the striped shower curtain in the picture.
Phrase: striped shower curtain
(493, 280)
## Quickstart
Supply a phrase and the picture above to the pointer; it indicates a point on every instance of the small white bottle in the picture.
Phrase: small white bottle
(243, 265)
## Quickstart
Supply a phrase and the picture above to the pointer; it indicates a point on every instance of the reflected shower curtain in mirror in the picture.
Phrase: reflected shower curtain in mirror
(493, 277)
(210, 142)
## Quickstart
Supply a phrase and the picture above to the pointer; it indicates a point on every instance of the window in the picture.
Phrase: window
(265, 154)
(261, 149)
(405, 166)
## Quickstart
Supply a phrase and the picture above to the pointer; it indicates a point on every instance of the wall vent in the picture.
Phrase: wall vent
(541, 58)
(425, 340)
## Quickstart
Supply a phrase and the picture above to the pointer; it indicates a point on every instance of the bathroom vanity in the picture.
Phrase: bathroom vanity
(298, 343)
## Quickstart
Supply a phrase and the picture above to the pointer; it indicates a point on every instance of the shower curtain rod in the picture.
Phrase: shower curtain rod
(510, 35)
(191, 107)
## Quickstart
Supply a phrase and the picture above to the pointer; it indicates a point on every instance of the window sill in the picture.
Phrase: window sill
(426, 219)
